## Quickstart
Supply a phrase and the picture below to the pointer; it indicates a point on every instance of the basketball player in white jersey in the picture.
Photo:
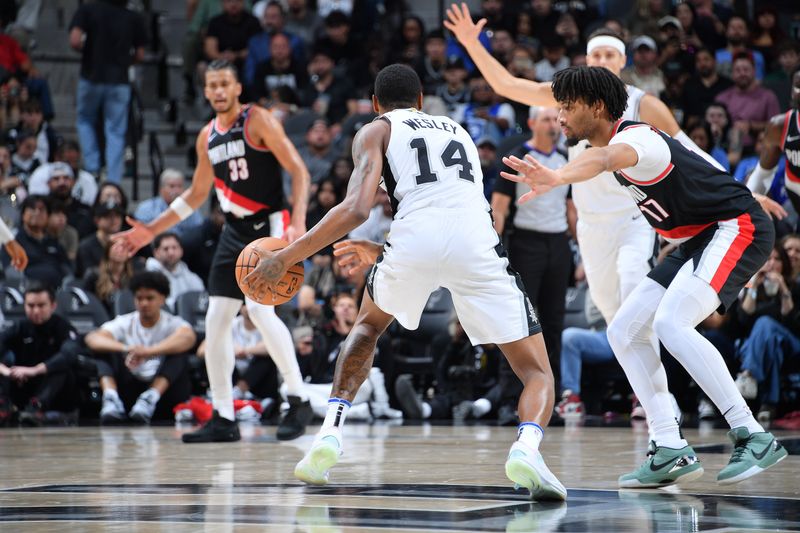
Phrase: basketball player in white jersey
(441, 236)
(616, 243)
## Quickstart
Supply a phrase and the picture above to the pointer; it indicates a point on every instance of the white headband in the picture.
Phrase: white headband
(605, 40)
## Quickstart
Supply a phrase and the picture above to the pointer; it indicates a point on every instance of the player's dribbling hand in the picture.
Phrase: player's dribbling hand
(532, 173)
(356, 255)
(266, 275)
(133, 239)
(459, 22)
(19, 259)
(773, 208)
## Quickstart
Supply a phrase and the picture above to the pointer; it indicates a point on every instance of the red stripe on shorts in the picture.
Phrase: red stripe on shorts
(738, 246)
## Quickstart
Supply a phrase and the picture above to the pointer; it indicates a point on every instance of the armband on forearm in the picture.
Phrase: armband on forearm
(760, 179)
(181, 208)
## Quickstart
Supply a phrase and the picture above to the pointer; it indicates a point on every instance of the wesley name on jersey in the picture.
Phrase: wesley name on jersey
(416, 123)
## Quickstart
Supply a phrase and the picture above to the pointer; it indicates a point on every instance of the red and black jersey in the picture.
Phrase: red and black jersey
(790, 144)
(678, 191)
(247, 176)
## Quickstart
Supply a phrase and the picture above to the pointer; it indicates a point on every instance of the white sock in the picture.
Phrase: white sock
(530, 434)
(278, 340)
(111, 394)
(480, 407)
(688, 301)
(153, 394)
(220, 358)
(633, 341)
(738, 415)
(426, 410)
(337, 412)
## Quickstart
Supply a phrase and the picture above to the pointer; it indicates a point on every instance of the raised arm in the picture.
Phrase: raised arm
(368, 148)
(266, 129)
(760, 179)
(518, 89)
(193, 197)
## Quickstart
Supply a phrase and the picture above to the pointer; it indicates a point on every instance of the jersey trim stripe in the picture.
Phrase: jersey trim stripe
(238, 199)
(786, 128)
(652, 181)
(735, 251)
(220, 130)
(250, 142)
(209, 132)
(791, 176)
(683, 232)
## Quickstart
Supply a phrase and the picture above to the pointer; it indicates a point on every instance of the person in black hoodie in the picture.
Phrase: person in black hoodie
(40, 377)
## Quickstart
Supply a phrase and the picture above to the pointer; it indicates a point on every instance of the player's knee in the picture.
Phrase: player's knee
(665, 326)
(618, 335)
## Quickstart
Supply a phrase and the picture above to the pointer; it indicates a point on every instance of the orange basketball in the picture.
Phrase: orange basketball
(287, 287)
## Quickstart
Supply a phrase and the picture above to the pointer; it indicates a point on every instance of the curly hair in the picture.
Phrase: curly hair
(591, 85)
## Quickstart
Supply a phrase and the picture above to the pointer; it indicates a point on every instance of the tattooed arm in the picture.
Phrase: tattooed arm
(368, 149)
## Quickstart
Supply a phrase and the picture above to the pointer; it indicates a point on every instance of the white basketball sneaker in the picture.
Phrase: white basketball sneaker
(525, 467)
(314, 467)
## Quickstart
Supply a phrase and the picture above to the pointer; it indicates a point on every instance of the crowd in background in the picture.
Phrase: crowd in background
(722, 73)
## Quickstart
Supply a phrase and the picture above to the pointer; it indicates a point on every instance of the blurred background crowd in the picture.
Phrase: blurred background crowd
(93, 135)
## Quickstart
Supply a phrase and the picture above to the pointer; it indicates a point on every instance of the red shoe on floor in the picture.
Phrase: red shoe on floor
(790, 421)
(570, 406)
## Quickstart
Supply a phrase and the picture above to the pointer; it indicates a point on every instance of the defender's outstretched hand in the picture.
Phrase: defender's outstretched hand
(133, 239)
(19, 259)
(533, 174)
(357, 255)
(459, 22)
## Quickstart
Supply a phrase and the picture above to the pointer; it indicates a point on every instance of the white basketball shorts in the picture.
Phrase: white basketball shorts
(457, 249)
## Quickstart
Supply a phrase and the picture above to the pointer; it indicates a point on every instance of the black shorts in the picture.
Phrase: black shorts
(235, 236)
(726, 255)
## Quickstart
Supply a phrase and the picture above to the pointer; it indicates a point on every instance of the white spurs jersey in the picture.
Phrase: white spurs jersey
(430, 162)
(603, 194)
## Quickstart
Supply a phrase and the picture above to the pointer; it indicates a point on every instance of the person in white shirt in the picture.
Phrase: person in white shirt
(167, 255)
(69, 152)
(146, 355)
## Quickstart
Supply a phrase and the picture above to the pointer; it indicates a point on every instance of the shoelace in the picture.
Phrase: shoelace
(739, 450)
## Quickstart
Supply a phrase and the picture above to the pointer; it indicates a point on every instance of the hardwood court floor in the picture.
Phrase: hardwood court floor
(420, 478)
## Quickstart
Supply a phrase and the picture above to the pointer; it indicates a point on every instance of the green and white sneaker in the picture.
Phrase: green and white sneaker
(525, 467)
(752, 453)
(664, 466)
(315, 467)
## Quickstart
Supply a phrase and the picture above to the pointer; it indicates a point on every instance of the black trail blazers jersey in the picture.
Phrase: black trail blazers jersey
(790, 144)
(247, 177)
(679, 193)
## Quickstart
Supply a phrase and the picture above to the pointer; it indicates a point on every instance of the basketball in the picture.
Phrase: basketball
(287, 287)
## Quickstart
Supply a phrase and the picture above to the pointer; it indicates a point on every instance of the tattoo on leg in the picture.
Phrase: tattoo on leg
(353, 364)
